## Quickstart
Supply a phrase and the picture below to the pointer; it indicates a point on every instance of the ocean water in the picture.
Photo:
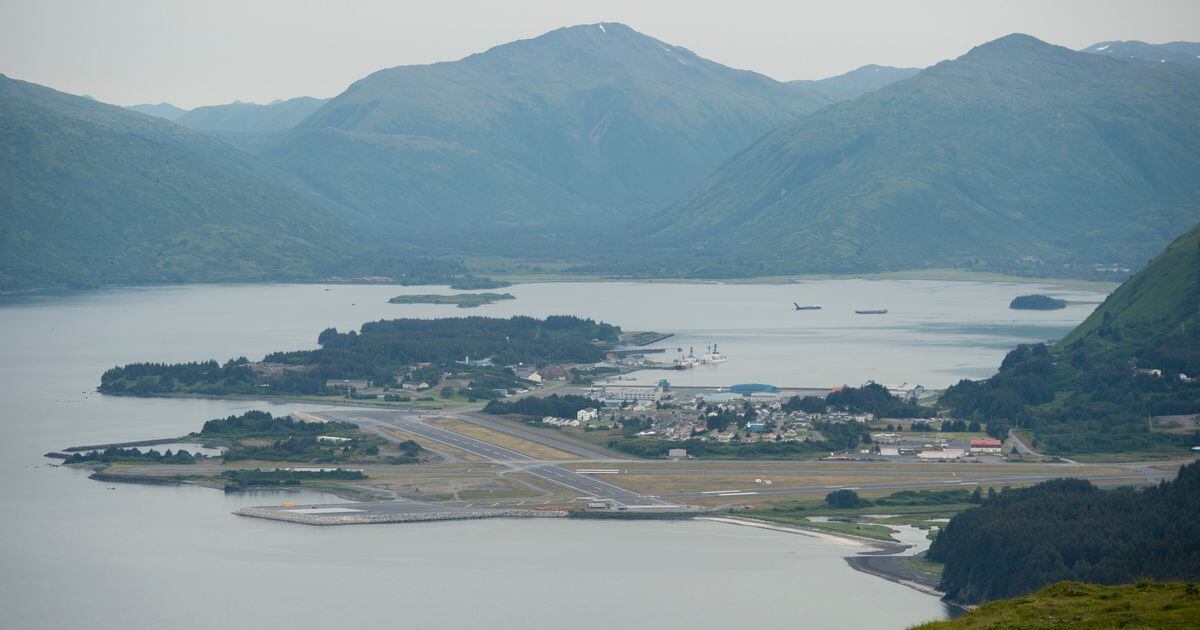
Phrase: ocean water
(80, 552)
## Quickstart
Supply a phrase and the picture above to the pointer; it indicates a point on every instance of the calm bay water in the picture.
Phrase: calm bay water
(81, 552)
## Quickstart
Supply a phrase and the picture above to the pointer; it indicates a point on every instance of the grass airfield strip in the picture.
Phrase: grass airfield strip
(532, 449)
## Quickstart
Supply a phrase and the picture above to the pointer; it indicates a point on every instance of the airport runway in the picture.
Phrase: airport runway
(584, 485)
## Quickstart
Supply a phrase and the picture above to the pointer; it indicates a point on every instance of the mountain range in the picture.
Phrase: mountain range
(1019, 156)
(855, 83)
(161, 110)
(1175, 52)
(579, 123)
(597, 148)
(92, 193)
(251, 118)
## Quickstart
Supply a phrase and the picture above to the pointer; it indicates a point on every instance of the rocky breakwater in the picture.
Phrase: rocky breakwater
(352, 516)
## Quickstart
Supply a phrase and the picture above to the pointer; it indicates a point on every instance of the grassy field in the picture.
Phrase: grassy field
(1076, 605)
(532, 449)
(866, 530)
(667, 483)
(798, 512)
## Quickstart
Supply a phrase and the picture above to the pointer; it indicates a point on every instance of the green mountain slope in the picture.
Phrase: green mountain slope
(1175, 52)
(581, 122)
(1019, 156)
(1136, 357)
(855, 83)
(93, 193)
(1160, 300)
(251, 117)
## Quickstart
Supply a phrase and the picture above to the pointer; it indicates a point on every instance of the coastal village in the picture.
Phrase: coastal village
(740, 414)
(756, 412)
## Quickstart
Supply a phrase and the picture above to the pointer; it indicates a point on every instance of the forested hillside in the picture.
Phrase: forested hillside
(382, 352)
(91, 193)
(1137, 356)
(1066, 529)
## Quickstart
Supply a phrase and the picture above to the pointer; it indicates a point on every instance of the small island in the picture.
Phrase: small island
(1037, 302)
(462, 300)
(253, 439)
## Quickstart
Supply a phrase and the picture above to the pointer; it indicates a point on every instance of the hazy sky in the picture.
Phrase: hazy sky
(215, 51)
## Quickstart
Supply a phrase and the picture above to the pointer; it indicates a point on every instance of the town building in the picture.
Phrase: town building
(750, 389)
(940, 454)
(528, 373)
(347, 383)
(587, 415)
(988, 446)
(630, 394)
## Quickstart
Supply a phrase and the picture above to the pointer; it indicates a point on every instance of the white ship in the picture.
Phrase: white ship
(711, 355)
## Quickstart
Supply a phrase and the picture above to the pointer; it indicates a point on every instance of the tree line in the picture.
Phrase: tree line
(541, 406)
(1067, 529)
(871, 398)
(1087, 397)
(379, 352)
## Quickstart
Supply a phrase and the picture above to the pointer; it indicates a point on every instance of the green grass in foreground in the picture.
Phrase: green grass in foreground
(1076, 605)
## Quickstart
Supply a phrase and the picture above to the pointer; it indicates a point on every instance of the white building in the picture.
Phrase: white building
(631, 394)
(940, 454)
(989, 446)
(560, 422)
(587, 415)
(889, 451)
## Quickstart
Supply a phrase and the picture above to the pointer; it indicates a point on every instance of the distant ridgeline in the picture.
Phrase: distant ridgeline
(382, 352)
(1067, 529)
(1096, 390)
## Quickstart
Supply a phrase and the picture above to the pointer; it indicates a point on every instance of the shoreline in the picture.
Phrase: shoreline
(883, 563)
(874, 557)
(936, 275)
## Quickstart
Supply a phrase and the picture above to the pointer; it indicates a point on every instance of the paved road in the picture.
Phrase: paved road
(554, 474)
